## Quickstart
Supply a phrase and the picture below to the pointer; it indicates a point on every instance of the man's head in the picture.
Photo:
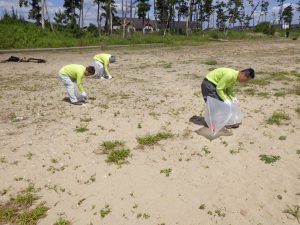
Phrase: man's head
(112, 59)
(90, 70)
(246, 75)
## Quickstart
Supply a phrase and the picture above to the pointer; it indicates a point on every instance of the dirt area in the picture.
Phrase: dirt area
(185, 179)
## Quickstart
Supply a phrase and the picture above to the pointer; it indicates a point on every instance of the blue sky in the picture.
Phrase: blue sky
(90, 9)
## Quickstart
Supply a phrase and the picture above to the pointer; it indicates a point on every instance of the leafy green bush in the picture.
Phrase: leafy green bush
(265, 28)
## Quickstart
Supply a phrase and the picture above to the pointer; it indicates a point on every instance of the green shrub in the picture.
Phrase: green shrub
(265, 28)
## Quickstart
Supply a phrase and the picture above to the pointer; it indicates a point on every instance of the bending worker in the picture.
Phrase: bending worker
(101, 63)
(71, 75)
(219, 83)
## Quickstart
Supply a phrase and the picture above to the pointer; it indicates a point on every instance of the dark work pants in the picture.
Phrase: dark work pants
(209, 89)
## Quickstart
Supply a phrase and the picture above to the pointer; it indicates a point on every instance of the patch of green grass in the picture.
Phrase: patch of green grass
(211, 62)
(154, 138)
(62, 221)
(260, 82)
(86, 119)
(298, 152)
(277, 118)
(202, 206)
(18, 210)
(250, 91)
(115, 151)
(269, 159)
(282, 138)
(293, 211)
(298, 110)
(81, 129)
(3, 159)
(280, 76)
(118, 156)
(280, 94)
(263, 94)
(143, 215)
(166, 171)
(105, 211)
(29, 155)
(107, 146)
(26, 199)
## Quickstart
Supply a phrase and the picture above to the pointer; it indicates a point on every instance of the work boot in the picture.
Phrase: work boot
(233, 126)
(76, 103)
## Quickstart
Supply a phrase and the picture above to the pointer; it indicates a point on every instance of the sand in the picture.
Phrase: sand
(153, 90)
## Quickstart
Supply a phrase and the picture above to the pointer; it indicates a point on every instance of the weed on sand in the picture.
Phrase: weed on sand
(293, 211)
(115, 151)
(19, 210)
(277, 118)
(105, 211)
(269, 159)
(152, 139)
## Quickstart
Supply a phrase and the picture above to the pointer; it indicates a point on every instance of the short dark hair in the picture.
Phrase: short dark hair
(91, 70)
(112, 59)
(249, 72)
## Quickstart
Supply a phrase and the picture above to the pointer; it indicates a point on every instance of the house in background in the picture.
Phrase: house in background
(136, 24)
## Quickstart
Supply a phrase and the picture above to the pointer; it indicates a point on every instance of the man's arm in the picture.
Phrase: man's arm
(105, 64)
(220, 88)
(230, 93)
(79, 84)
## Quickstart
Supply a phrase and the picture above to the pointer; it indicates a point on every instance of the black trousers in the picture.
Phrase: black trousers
(209, 89)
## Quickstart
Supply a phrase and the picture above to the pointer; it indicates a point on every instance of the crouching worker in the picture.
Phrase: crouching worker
(101, 63)
(219, 84)
(71, 75)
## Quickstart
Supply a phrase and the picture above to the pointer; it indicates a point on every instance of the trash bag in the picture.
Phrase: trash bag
(217, 114)
(236, 115)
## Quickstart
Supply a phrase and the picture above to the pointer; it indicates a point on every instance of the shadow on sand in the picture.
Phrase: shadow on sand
(205, 131)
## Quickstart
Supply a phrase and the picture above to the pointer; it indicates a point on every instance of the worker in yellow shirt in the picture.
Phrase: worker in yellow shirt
(101, 63)
(71, 75)
(219, 83)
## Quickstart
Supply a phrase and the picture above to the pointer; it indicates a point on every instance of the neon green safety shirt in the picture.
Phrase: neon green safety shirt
(75, 72)
(225, 80)
(104, 59)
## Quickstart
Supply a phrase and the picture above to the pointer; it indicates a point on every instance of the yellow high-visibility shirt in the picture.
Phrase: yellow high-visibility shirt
(76, 72)
(225, 80)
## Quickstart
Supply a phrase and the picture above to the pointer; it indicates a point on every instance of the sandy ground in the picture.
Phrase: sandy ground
(153, 90)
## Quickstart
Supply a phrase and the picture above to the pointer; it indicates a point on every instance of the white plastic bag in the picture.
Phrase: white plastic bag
(236, 115)
(217, 114)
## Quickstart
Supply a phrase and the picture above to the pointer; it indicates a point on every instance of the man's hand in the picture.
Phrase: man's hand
(228, 102)
(235, 100)
(83, 94)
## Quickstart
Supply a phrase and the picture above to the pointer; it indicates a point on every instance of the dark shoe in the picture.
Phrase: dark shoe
(76, 103)
(66, 99)
(233, 126)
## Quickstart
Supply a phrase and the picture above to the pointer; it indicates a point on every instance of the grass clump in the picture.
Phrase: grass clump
(115, 151)
(260, 82)
(211, 62)
(118, 156)
(277, 118)
(167, 171)
(105, 211)
(19, 210)
(62, 221)
(154, 138)
(294, 211)
(298, 110)
(81, 129)
(269, 159)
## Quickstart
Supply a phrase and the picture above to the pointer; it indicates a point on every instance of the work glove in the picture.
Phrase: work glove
(109, 77)
(228, 102)
(235, 100)
(83, 94)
